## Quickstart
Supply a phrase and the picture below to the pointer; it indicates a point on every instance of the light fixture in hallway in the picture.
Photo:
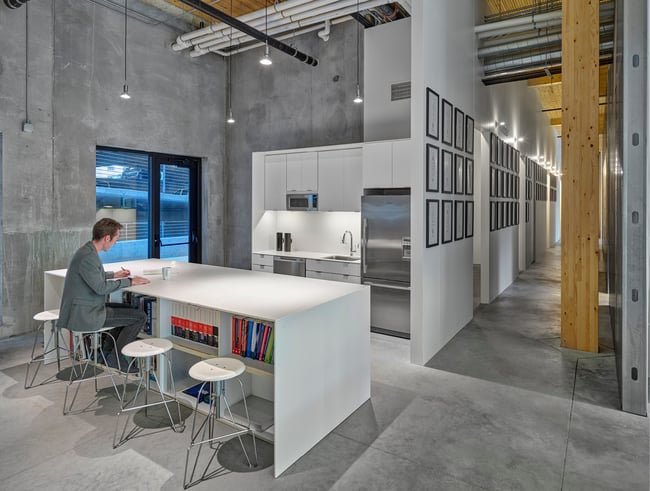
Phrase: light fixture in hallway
(266, 59)
(358, 99)
(125, 89)
(231, 119)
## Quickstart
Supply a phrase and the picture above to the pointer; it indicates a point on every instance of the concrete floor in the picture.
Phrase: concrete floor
(502, 406)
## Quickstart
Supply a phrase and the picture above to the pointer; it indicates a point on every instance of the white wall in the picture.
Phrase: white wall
(387, 60)
(441, 304)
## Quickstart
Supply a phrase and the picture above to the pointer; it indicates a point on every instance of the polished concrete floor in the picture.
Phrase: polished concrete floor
(501, 407)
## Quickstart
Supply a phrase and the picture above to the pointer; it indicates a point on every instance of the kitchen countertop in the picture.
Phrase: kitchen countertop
(241, 292)
(308, 255)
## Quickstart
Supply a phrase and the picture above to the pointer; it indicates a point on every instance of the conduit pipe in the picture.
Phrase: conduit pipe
(325, 33)
(248, 47)
(218, 35)
(183, 40)
(237, 24)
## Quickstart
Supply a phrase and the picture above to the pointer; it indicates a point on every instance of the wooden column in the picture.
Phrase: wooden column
(580, 174)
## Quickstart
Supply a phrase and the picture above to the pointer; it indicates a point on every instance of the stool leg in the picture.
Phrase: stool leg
(241, 442)
(248, 418)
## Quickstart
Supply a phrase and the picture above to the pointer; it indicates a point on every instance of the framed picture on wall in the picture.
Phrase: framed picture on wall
(469, 219)
(459, 129)
(493, 182)
(469, 176)
(447, 221)
(433, 108)
(499, 152)
(493, 148)
(493, 216)
(447, 122)
(459, 215)
(469, 134)
(459, 178)
(447, 172)
(433, 230)
(433, 168)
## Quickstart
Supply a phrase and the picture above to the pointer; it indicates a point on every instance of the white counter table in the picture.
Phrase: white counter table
(321, 369)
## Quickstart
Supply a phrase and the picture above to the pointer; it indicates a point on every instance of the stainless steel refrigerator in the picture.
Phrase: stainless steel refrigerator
(386, 259)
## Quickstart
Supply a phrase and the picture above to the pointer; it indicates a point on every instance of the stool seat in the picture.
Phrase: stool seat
(217, 369)
(47, 315)
(142, 348)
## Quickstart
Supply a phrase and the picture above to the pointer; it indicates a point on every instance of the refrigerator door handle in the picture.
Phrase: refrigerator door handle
(364, 244)
(384, 285)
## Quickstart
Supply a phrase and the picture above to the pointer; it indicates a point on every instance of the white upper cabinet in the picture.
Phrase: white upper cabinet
(387, 164)
(302, 172)
(275, 182)
(339, 180)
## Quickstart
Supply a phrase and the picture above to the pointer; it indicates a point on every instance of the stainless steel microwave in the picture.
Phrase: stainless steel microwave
(302, 201)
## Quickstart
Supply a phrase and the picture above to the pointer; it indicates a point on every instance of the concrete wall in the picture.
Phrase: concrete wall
(75, 78)
(287, 105)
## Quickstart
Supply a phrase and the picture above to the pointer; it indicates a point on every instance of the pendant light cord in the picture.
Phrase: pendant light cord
(26, 62)
(358, 22)
(230, 68)
(125, 17)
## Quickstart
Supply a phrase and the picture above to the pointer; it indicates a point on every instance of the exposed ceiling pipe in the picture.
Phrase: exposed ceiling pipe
(218, 14)
(217, 34)
(518, 24)
(219, 49)
(14, 4)
(293, 6)
(325, 33)
(540, 61)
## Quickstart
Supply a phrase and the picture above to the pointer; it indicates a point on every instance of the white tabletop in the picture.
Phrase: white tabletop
(241, 292)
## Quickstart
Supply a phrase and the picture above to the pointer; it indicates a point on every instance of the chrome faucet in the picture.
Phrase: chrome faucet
(352, 249)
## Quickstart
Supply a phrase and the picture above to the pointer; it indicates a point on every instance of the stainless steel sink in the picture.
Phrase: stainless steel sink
(343, 258)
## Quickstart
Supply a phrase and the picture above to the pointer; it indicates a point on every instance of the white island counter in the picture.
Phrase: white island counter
(321, 369)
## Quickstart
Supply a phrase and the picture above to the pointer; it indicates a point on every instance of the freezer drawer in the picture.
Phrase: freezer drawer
(390, 309)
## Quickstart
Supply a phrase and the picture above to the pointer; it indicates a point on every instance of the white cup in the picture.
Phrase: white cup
(166, 272)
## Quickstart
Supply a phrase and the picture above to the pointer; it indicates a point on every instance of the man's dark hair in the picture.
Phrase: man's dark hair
(106, 226)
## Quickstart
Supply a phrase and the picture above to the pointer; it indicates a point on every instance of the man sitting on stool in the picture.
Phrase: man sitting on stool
(83, 306)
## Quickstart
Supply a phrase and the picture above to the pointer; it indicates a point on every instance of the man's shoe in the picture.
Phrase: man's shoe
(124, 364)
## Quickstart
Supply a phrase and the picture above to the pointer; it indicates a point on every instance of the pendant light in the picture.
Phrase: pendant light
(266, 59)
(358, 99)
(125, 90)
(231, 119)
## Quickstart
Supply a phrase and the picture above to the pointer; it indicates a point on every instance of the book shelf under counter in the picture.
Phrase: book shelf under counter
(320, 370)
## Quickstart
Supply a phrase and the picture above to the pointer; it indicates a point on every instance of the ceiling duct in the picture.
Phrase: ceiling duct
(14, 4)
(254, 33)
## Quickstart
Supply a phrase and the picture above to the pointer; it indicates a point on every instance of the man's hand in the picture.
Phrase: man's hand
(122, 273)
(139, 280)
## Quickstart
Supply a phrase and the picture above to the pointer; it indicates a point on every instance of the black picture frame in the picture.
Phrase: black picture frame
(493, 182)
(469, 134)
(447, 172)
(469, 219)
(459, 171)
(433, 109)
(459, 220)
(493, 216)
(447, 124)
(433, 168)
(459, 129)
(447, 221)
(493, 148)
(469, 176)
(433, 217)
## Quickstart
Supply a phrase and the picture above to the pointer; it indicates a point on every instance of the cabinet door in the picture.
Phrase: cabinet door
(377, 167)
(275, 182)
(402, 158)
(339, 180)
(302, 172)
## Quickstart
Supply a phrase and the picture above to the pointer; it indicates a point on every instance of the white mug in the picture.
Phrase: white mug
(166, 272)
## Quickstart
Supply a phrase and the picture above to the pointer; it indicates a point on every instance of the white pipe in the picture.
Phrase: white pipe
(325, 33)
(218, 49)
(518, 21)
(302, 20)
